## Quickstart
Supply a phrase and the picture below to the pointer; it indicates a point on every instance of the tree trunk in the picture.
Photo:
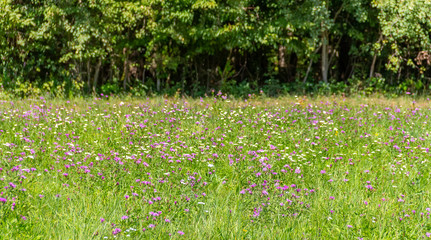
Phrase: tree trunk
(308, 71)
(144, 72)
(89, 75)
(183, 79)
(111, 68)
(373, 64)
(125, 68)
(281, 58)
(282, 65)
(325, 61)
(96, 74)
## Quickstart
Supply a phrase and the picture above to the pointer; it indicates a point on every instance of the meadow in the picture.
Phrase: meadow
(215, 168)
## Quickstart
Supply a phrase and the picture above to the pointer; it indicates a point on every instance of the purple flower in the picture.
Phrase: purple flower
(116, 231)
(180, 232)
(102, 220)
(323, 172)
(349, 226)
(3, 200)
(124, 217)
(151, 226)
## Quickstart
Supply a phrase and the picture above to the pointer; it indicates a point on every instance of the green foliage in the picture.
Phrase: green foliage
(72, 47)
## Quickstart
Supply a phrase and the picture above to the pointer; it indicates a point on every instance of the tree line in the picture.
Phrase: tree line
(193, 46)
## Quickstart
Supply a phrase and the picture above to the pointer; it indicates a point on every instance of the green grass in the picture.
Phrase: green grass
(215, 169)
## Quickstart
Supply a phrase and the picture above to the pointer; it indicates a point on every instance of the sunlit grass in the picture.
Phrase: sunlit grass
(259, 168)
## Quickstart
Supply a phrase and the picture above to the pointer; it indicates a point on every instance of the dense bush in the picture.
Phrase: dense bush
(71, 47)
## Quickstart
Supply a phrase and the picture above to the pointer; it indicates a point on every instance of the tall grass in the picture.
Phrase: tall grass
(215, 168)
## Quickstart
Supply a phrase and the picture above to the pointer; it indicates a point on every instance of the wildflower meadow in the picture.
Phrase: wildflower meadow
(215, 168)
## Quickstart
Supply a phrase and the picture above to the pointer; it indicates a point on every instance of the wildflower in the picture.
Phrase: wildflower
(124, 217)
(102, 220)
(323, 172)
(116, 231)
(180, 232)
(349, 226)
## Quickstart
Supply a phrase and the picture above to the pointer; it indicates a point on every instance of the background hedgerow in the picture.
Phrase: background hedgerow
(69, 48)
